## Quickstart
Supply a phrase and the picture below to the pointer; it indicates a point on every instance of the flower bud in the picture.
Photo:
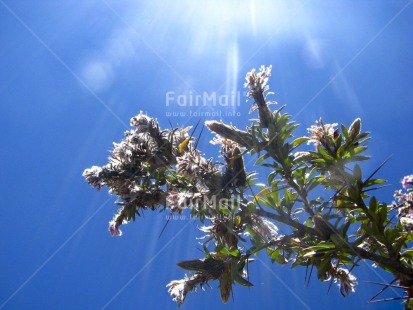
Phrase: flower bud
(354, 129)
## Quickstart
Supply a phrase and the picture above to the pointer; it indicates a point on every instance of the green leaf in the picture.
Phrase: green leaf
(373, 205)
(276, 256)
(226, 251)
(345, 227)
(323, 268)
(358, 241)
(319, 249)
(262, 192)
(347, 260)
(242, 281)
(373, 182)
(357, 172)
(234, 252)
(324, 154)
(337, 240)
(392, 234)
(271, 177)
(261, 159)
(408, 254)
(338, 141)
(298, 141)
(345, 131)
(383, 214)
(359, 149)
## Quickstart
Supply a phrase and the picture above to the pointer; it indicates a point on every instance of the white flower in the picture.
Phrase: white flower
(265, 229)
(114, 229)
(92, 176)
(218, 140)
(177, 290)
(407, 181)
(122, 151)
(320, 132)
(406, 222)
(272, 230)
(345, 281)
(179, 201)
(258, 81)
(192, 164)
(141, 122)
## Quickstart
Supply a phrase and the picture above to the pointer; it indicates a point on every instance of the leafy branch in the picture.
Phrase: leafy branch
(154, 168)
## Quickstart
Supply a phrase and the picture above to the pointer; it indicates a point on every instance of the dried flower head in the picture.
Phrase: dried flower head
(123, 152)
(205, 270)
(267, 229)
(116, 222)
(407, 222)
(345, 280)
(193, 165)
(404, 203)
(141, 122)
(257, 82)
(93, 176)
(114, 228)
(321, 133)
(224, 142)
(136, 170)
(179, 201)
(178, 290)
(263, 228)
(369, 244)
(407, 181)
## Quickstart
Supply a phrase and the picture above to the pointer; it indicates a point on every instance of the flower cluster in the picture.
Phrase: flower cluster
(226, 270)
(345, 280)
(257, 85)
(179, 201)
(152, 168)
(93, 176)
(322, 133)
(194, 165)
(407, 181)
(141, 122)
(205, 270)
(178, 289)
(114, 228)
(404, 203)
(264, 228)
(226, 144)
(257, 82)
(137, 168)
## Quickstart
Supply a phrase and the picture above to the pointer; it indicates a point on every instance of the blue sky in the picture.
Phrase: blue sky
(72, 74)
